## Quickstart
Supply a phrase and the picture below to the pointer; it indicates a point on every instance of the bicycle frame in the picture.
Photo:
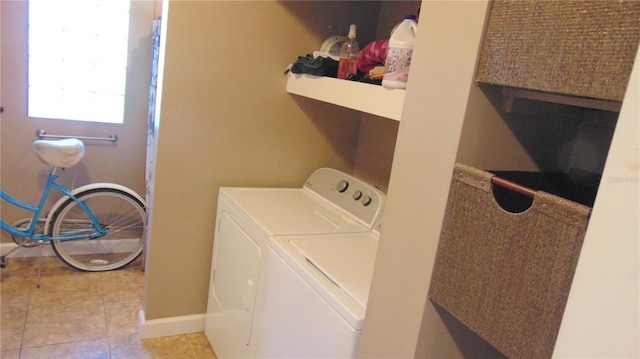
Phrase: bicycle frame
(37, 211)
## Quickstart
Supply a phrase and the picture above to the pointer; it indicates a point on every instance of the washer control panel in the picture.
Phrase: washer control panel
(356, 197)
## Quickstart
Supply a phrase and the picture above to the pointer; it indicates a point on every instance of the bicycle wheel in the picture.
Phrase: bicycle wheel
(119, 212)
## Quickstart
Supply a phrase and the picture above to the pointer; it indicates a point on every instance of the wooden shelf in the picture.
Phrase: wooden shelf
(373, 99)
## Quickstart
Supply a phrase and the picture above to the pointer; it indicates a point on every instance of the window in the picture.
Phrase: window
(78, 59)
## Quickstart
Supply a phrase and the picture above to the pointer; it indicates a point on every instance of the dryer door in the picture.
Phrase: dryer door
(236, 274)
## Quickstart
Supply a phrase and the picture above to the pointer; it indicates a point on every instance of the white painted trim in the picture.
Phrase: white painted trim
(75, 248)
(47, 251)
(165, 327)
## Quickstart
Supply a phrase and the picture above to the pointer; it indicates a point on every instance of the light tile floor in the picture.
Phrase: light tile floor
(80, 315)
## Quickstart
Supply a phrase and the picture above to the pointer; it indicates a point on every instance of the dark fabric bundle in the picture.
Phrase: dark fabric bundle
(318, 66)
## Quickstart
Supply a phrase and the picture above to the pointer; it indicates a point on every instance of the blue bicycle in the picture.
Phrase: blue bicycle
(96, 227)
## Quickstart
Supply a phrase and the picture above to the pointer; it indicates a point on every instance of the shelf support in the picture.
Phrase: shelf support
(512, 92)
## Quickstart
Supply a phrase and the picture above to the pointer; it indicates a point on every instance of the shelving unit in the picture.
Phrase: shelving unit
(363, 97)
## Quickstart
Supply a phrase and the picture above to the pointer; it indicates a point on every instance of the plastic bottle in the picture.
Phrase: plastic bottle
(399, 54)
(406, 17)
(348, 64)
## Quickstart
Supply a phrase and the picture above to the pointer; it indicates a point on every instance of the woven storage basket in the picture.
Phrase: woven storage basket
(580, 48)
(506, 276)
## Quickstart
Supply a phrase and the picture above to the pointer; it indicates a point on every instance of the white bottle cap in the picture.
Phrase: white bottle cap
(352, 31)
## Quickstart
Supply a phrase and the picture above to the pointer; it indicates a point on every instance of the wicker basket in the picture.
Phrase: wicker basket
(579, 48)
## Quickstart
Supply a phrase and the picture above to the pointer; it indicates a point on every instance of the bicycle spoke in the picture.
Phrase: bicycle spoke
(119, 214)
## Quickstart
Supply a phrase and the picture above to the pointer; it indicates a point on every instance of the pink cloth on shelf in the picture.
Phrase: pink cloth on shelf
(372, 55)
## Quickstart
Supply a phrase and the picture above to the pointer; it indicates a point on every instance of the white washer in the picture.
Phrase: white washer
(315, 295)
(291, 268)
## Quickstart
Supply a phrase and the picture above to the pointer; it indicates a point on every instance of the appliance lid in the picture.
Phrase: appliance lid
(339, 268)
(346, 261)
(289, 211)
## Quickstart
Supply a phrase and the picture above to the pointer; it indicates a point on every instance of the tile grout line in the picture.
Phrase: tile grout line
(32, 287)
(26, 316)
(104, 310)
(131, 280)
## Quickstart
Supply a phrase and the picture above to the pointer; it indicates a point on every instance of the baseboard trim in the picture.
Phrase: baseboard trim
(165, 327)
(47, 251)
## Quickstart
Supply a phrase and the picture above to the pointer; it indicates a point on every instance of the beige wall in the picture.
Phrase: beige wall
(487, 141)
(376, 145)
(226, 120)
(22, 174)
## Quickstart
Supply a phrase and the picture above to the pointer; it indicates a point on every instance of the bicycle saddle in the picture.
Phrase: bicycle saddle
(59, 153)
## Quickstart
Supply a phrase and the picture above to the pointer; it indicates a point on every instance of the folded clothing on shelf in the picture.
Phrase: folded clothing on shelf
(318, 66)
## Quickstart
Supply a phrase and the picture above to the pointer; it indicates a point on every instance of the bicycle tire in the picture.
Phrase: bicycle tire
(120, 212)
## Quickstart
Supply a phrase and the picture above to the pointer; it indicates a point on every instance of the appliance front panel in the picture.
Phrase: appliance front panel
(235, 280)
(296, 322)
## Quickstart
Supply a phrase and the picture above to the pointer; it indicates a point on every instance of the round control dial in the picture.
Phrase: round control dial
(357, 194)
(366, 200)
(343, 185)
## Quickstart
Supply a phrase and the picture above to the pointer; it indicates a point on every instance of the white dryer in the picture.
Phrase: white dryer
(291, 268)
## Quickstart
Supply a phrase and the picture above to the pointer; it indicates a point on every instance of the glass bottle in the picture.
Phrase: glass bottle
(348, 64)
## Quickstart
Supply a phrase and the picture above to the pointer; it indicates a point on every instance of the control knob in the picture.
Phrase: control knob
(342, 186)
(366, 200)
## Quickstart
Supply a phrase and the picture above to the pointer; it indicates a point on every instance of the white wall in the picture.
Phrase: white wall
(602, 317)
(442, 75)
